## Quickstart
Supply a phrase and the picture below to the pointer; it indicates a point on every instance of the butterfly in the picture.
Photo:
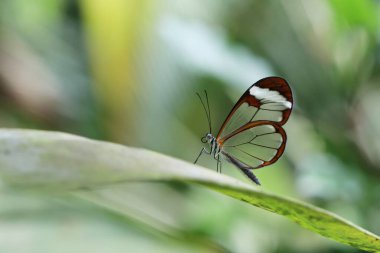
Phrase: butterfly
(252, 136)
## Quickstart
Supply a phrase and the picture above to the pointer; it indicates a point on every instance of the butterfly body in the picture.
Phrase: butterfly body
(252, 136)
(214, 146)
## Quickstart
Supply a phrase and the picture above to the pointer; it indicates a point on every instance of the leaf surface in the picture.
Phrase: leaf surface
(62, 162)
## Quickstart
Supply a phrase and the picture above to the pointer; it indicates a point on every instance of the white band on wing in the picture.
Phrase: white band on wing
(270, 95)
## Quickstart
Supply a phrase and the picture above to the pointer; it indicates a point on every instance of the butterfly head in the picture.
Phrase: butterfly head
(207, 138)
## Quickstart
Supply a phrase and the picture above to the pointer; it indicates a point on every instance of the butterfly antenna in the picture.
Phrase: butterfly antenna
(205, 109)
(209, 111)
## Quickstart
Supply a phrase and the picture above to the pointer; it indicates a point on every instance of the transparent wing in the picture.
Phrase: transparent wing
(269, 99)
(256, 145)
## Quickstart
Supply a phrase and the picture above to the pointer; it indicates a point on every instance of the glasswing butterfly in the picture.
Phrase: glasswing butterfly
(252, 136)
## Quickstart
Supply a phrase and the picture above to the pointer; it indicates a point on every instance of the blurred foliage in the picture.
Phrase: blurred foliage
(127, 71)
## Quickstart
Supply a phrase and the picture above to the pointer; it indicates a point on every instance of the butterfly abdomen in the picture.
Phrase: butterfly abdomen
(243, 167)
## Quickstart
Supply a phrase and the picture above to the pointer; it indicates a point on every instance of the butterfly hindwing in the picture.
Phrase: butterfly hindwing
(257, 144)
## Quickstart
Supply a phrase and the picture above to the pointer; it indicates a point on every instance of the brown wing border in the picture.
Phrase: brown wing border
(274, 83)
(278, 129)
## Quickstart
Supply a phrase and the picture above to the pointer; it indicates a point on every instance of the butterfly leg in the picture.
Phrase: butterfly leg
(203, 150)
(220, 164)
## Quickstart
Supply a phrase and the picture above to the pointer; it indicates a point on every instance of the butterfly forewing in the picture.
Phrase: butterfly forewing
(252, 132)
(268, 99)
(241, 116)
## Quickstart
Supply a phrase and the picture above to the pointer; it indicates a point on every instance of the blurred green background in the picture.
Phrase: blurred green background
(127, 71)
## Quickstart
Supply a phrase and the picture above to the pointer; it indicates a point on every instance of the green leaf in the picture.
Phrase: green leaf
(64, 162)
